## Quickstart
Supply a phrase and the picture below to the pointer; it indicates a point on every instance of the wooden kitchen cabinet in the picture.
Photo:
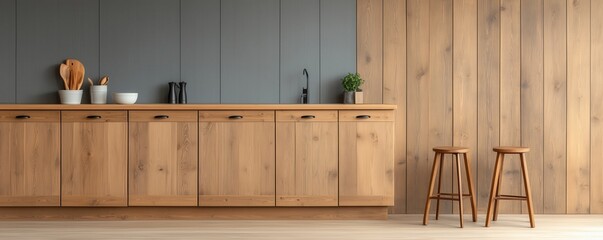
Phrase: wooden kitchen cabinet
(366, 149)
(30, 158)
(95, 158)
(163, 158)
(306, 158)
(237, 158)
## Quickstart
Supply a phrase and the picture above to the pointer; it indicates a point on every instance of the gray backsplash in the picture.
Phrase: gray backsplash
(229, 51)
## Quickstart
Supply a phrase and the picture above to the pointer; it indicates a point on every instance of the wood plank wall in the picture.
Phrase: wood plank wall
(482, 73)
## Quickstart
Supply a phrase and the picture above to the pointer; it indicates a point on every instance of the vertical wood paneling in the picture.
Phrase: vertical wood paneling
(465, 77)
(510, 105)
(394, 89)
(554, 106)
(596, 171)
(370, 48)
(578, 102)
(440, 87)
(532, 93)
(488, 124)
(8, 30)
(418, 149)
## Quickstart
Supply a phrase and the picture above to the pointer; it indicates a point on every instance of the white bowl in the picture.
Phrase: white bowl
(125, 98)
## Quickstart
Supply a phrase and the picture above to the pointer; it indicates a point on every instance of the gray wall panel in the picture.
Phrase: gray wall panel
(48, 32)
(300, 48)
(201, 49)
(337, 47)
(7, 51)
(250, 51)
(140, 46)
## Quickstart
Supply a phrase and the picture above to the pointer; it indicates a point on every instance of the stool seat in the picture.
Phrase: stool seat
(509, 149)
(450, 149)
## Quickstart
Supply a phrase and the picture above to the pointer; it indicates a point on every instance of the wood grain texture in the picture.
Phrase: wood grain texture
(194, 213)
(176, 107)
(394, 90)
(366, 172)
(94, 159)
(465, 76)
(163, 160)
(440, 84)
(30, 159)
(488, 98)
(369, 52)
(307, 159)
(417, 152)
(555, 97)
(237, 161)
(578, 110)
(532, 94)
(510, 105)
(596, 168)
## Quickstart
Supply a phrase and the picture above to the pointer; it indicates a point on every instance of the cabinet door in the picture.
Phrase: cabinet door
(366, 158)
(236, 163)
(163, 158)
(30, 158)
(95, 158)
(306, 158)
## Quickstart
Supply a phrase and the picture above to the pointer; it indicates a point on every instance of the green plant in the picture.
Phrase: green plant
(352, 82)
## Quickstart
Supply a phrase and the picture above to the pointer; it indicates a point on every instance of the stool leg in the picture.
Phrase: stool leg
(460, 185)
(439, 186)
(471, 189)
(493, 187)
(526, 182)
(498, 187)
(434, 171)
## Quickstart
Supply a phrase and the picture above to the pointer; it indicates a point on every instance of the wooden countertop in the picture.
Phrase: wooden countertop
(198, 107)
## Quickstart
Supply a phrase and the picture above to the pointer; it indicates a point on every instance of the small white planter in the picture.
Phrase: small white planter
(72, 97)
(98, 94)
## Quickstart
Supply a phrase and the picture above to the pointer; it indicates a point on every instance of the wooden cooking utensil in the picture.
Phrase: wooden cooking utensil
(78, 71)
(104, 81)
(91, 82)
(65, 73)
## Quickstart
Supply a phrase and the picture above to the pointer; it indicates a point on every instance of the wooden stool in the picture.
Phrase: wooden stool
(495, 195)
(437, 164)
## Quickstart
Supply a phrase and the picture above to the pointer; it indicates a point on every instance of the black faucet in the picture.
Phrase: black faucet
(304, 96)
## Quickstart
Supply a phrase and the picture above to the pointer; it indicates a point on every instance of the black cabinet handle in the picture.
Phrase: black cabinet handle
(162, 117)
(235, 117)
(308, 117)
(23, 117)
(94, 117)
(363, 116)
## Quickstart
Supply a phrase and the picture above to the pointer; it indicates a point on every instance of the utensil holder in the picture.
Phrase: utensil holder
(98, 94)
(71, 97)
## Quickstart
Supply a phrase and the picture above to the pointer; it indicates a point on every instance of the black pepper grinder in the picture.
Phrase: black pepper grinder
(182, 95)
(172, 98)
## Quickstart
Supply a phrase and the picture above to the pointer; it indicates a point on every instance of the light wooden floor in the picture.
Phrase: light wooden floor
(397, 227)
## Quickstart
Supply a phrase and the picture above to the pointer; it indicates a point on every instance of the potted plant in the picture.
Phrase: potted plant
(351, 84)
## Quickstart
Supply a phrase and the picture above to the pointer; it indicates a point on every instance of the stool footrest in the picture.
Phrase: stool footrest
(510, 197)
(452, 194)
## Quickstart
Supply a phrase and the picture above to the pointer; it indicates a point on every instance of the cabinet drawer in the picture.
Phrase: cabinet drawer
(163, 116)
(306, 116)
(95, 116)
(366, 116)
(30, 116)
(238, 116)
